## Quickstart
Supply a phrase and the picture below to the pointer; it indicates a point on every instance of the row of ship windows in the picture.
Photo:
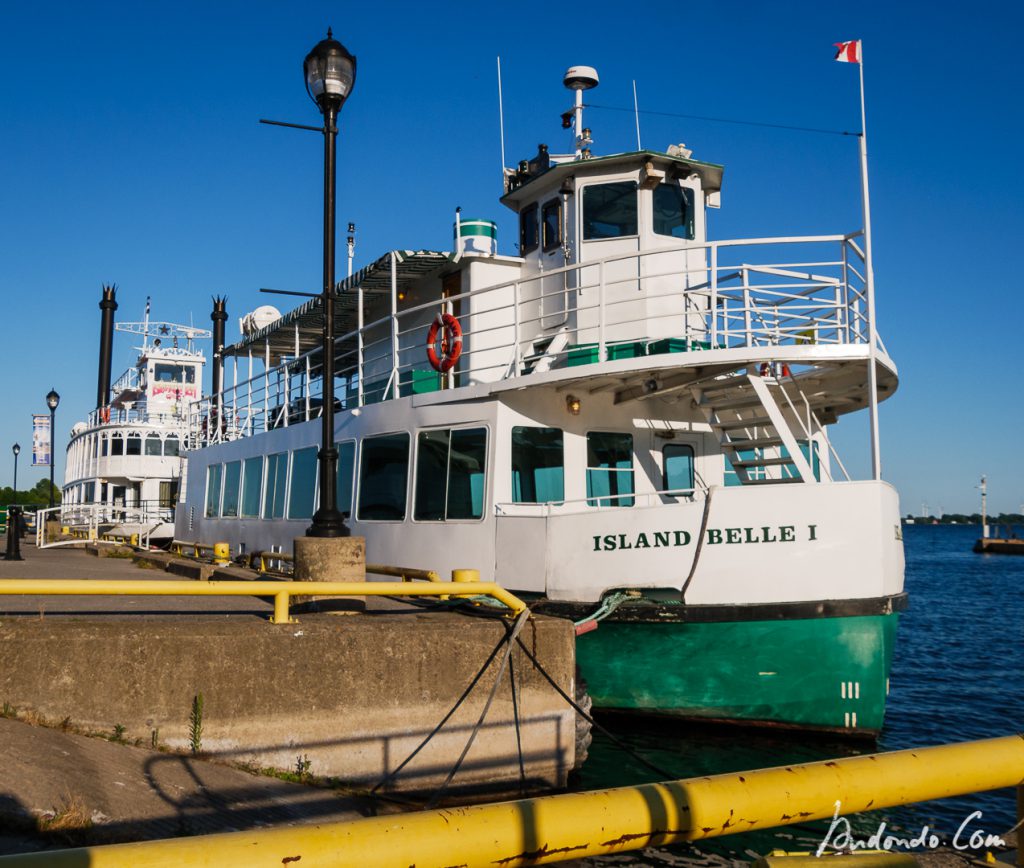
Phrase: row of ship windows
(132, 443)
(449, 471)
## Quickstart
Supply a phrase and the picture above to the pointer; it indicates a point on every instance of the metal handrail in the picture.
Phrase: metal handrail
(281, 591)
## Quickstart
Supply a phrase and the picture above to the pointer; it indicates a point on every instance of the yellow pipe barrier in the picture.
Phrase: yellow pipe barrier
(280, 591)
(406, 574)
(558, 828)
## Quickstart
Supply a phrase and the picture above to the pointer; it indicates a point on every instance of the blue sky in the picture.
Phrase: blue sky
(130, 152)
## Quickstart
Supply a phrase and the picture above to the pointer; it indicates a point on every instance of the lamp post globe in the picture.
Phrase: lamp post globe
(16, 449)
(330, 73)
(52, 400)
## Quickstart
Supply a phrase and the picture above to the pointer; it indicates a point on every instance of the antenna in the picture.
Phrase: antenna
(579, 79)
(636, 114)
(501, 122)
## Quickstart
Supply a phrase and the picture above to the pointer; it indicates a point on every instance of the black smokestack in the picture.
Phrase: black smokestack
(219, 317)
(108, 304)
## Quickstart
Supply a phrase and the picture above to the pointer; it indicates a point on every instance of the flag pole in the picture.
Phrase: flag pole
(876, 461)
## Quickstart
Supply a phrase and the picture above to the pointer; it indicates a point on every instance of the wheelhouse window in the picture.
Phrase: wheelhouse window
(528, 230)
(673, 211)
(116, 444)
(168, 373)
(213, 480)
(232, 479)
(302, 493)
(383, 477)
(677, 461)
(346, 469)
(450, 474)
(277, 479)
(609, 210)
(538, 465)
(609, 469)
(171, 447)
(252, 483)
(103, 445)
(551, 224)
(153, 444)
(133, 445)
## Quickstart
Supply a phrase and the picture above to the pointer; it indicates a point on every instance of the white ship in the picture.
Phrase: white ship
(124, 462)
(627, 423)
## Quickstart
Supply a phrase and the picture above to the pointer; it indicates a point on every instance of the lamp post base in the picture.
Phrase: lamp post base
(330, 559)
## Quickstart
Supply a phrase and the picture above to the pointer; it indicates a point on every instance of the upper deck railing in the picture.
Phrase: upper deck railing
(733, 294)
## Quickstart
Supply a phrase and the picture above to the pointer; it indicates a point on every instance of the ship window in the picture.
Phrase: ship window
(673, 211)
(538, 465)
(116, 444)
(551, 224)
(103, 445)
(213, 478)
(152, 444)
(232, 478)
(609, 469)
(383, 477)
(166, 373)
(678, 464)
(252, 482)
(302, 493)
(171, 446)
(346, 466)
(90, 492)
(528, 230)
(273, 491)
(609, 210)
(134, 445)
(450, 474)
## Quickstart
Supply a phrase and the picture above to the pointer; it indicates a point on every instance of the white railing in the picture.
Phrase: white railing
(749, 293)
(90, 519)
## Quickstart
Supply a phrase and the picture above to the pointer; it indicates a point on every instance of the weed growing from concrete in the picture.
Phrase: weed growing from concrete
(8, 711)
(302, 766)
(119, 729)
(70, 816)
(195, 724)
(154, 739)
(65, 724)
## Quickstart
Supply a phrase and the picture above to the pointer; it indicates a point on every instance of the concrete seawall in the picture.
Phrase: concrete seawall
(352, 694)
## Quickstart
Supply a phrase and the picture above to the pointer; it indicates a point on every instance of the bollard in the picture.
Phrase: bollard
(221, 554)
(13, 537)
(133, 540)
(465, 576)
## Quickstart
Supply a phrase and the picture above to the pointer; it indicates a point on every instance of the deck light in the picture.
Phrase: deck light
(330, 75)
(573, 404)
(52, 400)
(16, 449)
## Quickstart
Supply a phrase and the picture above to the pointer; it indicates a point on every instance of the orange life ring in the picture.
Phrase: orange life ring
(451, 342)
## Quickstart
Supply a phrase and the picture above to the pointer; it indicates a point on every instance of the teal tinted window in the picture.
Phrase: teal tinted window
(171, 446)
(673, 211)
(252, 484)
(232, 483)
(213, 480)
(152, 444)
(678, 462)
(302, 493)
(450, 474)
(346, 466)
(609, 469)
(538, 465)
(383, 477)
(274, 488)
(609, 210)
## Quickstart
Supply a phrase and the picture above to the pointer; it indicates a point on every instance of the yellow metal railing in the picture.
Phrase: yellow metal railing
(282, 592)
(558, 828)
(219, 553)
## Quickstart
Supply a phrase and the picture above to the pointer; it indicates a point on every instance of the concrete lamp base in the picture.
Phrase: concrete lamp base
(330, 559)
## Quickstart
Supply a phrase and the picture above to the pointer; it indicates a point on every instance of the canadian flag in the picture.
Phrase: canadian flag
(848, 52)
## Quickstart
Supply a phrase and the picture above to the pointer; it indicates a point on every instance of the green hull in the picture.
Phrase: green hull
(827, 673)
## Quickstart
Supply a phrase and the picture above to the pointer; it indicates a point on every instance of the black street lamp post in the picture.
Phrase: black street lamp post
(330, 75)
(16, 449)
(52, 400)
